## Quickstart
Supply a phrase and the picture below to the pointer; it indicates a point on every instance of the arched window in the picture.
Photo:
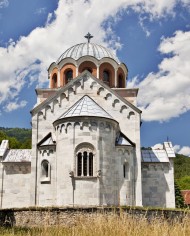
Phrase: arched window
(54, 81)
(106, 77)
(126, 171)
(85, 162)
(120, 81)
(45, 171)
(68, 76)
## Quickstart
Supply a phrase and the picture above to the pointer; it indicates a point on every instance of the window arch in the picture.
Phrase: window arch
(54, 80)
(68, 76)
(85, 160)
(106, 77)
(45, 170)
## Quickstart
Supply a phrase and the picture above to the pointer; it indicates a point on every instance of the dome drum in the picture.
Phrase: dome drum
(98, 60)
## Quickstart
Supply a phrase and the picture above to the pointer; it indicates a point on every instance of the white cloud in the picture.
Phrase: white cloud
(40, 11)
(4, 3)
(185, 150)
(166, 94)
(64, 28)
(15, 105)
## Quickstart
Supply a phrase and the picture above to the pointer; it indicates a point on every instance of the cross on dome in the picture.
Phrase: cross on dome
(88, 37)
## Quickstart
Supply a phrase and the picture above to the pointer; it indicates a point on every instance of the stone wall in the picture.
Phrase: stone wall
(33, 217)
(158, 184)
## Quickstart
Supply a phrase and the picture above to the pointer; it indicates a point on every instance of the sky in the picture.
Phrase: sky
(151, 37)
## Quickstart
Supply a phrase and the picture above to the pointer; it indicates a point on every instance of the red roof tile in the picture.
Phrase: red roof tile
(186, 196)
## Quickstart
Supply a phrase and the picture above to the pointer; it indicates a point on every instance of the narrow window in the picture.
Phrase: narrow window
(125, 170)
(120, 81)
(90, 164)
(68, 76)
(106, 77)
(85, 164)
(54, 81)
(45, 171)
(79, 166)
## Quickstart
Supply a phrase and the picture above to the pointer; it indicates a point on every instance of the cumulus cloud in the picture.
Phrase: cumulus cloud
(15, 105)
(27, 59)
(166, 94)
(4, 3)
(185, 150)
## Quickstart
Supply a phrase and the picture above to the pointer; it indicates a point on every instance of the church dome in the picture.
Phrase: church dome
(88, 49)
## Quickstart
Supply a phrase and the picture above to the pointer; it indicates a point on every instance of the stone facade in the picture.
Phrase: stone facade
(86, 145)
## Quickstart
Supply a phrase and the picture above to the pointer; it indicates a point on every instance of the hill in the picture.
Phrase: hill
(19, 138)
(182, 171)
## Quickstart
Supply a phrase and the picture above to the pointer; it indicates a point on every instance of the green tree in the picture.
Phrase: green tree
(184, 182)
(179, 201)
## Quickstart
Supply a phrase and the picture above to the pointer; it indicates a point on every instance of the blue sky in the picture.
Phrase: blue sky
(151, 37)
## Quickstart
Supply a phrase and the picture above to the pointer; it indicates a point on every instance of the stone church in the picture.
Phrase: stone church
(86, 141)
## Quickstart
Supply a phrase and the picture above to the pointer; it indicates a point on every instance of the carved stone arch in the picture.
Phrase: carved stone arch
(47, 108)
(68, 126)
(93, 126)
(85, 124)
(62, 127)
(87, 58)
(67, 61)
(108, 60)
(93, 84)
(131, 115)
(101, 125)
(58, 127)
(120, 151)
(100, 90)
(77, 124)
(85, 146)
(124, 107)
(62, 96)
(107, 128)
(40, 113)
(108, 96)
(55, 102)
(116, 101)
(77, 85)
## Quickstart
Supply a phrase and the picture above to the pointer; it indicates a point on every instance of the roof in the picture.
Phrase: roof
(18, 155)
(122, 140)
(88, 49)
(46, 141)
(86, 106)
(154, 155)
(186, 196)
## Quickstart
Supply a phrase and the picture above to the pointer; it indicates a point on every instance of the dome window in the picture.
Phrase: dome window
(120, 81)
(68, 76)
(54, 81)
(106, 77)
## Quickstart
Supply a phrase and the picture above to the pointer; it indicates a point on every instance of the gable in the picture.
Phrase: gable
(72, 87)
(46, 141)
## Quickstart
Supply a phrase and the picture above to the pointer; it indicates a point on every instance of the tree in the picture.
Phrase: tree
(179, 201)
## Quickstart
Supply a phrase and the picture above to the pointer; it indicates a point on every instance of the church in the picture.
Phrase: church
(86, 148)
